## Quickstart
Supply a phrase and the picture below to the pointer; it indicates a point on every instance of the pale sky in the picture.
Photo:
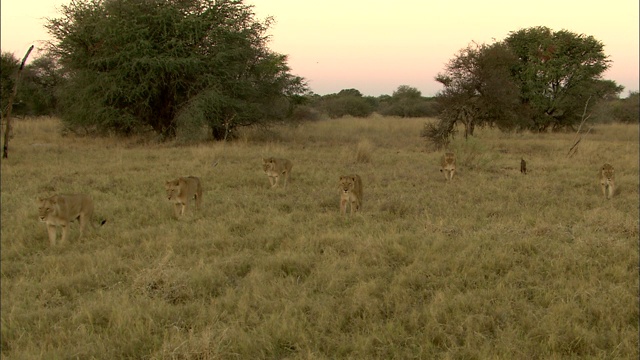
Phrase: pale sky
(375, 46)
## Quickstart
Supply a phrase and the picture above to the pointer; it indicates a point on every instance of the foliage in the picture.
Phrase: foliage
(627, 110)
(535, 79)
(8, 69)
(38, 85)
(407, 101)
(347, 102)
(305, 113)
(133, 64)
(557, 72)
(39, 81)
(478, 88)
(438, 133)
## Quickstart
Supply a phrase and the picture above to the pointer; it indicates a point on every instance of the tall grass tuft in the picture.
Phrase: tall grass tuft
(363, 151)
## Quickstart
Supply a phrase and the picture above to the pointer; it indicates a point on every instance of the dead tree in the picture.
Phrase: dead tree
(574, 148)
(7, 116)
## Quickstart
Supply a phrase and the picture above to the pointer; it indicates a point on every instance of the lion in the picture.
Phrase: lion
(274, 168)
(607, 180)
(61, 210)
(448, 165)
(350, 193)
(181, 190)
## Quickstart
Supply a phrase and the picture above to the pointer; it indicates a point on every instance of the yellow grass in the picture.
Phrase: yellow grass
(494, 264)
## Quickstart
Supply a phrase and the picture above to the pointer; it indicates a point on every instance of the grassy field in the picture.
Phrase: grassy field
(493, 265)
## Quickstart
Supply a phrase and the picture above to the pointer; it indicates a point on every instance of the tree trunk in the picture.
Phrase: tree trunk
(7, 116)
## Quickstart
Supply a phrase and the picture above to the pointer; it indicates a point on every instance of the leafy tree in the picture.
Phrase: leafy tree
(164, 64)
(348, 102)
(407, 101)
(350, 92)
(406, 92)
(557, 72)
(8, 68)
(535, 79)
(39, 83)
(478, 89)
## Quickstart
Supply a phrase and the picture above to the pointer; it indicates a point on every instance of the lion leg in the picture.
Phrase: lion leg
(176, 209)
(83, 221)
(51, 230)
(453, 172)
(183, 209)
(354, 206)
(609, 191)
(65, 233)
(276, 182)
(343, 206)
(271, 181)
(81, 234)
(286, 178)
(604, 189)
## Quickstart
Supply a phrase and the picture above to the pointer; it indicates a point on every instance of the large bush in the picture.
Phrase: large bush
(408, 101)
(154, 63)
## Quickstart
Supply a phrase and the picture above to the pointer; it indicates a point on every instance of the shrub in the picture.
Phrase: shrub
(340, 106)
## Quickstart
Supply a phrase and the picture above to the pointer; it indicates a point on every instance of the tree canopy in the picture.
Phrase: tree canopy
(535, 79)
(163, 64)
(8, 67)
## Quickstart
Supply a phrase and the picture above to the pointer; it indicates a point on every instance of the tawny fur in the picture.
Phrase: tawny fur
(448, 165)
(607, 180)
(61, 210)
(181, 190)
(350, 193)
(276, 168)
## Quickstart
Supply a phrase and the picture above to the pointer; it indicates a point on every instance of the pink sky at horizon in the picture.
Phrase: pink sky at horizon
(375, 46)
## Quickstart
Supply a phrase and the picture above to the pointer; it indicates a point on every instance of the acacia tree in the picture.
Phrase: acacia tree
(478, 89)
(163, 63)
(557, 72)
(535, 79)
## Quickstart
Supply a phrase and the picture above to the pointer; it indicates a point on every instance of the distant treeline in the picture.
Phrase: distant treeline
(41, 78)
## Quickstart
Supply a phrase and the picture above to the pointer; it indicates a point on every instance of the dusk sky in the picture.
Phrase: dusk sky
(375, 46)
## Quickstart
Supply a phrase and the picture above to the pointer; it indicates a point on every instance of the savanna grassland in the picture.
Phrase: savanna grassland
(493, 265)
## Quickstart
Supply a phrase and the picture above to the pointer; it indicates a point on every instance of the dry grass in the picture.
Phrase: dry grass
(494, 264)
